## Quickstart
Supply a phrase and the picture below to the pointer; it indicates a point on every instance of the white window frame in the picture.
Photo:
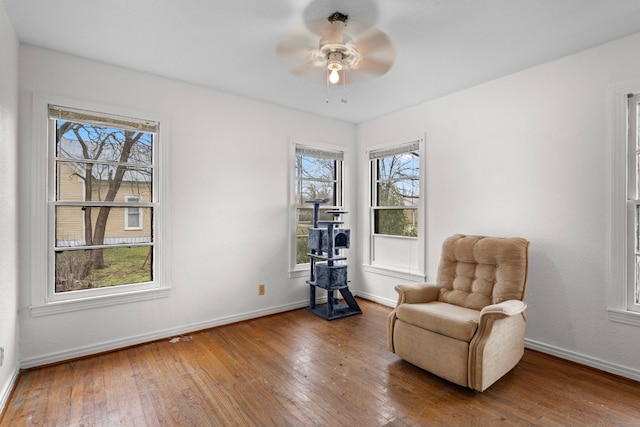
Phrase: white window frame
(40, 234)
(302, 269)
(621, 264)
(413, 247)
(138, 199)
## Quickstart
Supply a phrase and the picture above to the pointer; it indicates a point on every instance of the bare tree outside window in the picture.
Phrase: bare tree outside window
(396, 193)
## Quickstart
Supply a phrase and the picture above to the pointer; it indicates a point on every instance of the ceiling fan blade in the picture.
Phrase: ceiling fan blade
(298, 37)
(378, 54)
(373, 67)
(293, 56)
(298, 47)
(375, 42)
(310, 72)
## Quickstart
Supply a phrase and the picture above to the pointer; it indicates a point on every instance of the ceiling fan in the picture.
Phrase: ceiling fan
(335, 50)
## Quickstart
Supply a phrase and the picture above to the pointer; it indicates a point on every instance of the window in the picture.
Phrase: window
(396, 229)
(133, 215)
(395, 197)
(633, 204)
(318, 174)
(623, 262)
(99, 165)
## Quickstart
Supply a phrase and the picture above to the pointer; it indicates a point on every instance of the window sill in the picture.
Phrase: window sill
(624, 316)
(389, 271)
(97, 301)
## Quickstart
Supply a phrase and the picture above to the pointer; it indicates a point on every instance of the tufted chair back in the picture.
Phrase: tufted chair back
(477, 271)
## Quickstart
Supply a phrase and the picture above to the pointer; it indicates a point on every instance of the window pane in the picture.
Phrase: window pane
(97, 268)
(406, 165)
(305, 218)
(72, 182)
(637, 231)
(317, 167)
(105, 144)
(636, 107)
(73, 223)
(398, 180)
(311, 190)
(302, 249)
(404, 192)
(396, 222)
(637, 281)
(637, 193)
(305, 221)
(317, 176)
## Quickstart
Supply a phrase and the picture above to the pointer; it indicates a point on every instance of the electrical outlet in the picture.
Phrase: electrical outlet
(261, 289)
(1, 355)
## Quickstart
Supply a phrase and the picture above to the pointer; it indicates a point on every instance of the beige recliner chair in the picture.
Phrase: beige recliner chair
(467, 328)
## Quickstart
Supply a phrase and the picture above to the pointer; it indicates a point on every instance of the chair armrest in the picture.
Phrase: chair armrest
(503, 309)
(409, 294)
(415, 293)
(498, 343)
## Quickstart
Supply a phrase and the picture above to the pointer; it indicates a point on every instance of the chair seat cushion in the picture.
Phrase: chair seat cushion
(447, 319)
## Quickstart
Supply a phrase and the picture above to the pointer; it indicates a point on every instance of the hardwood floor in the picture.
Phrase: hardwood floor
(296, 369)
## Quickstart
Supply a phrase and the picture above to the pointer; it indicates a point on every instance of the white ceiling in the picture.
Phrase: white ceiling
(230, 45)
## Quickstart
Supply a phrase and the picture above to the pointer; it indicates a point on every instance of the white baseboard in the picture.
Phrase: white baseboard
(8, 388)
(384, 301)
(582, 359)
(157, 335)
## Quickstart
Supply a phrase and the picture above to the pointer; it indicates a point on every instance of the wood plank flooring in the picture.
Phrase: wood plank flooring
(296, 369)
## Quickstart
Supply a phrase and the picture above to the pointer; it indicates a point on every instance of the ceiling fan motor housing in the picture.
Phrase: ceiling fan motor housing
(335, 61)
(336, 49)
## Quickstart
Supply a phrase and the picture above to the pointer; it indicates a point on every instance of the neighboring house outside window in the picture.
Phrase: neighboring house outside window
(396, 228)
(318, 174)
(97, 162)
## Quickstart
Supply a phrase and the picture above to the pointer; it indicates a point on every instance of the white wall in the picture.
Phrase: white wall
(8, 204)
(524, 155)
(527, 155)
(229, 175)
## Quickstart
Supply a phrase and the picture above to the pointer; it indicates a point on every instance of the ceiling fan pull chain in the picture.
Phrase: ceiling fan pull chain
(327, 87)
(344, 87)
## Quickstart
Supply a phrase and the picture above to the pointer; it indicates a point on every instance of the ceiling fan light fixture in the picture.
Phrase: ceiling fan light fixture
(324, 50)
(334, 64)
(334, 77)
